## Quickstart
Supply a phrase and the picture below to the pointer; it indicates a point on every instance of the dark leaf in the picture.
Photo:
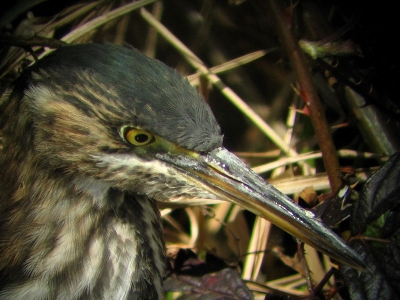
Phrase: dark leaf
(388, 256)
(277, 297)
(380, 193)
(375, 221)
(206, 280)
(186, 262)
(223, 285)
(374, 283)
(337, 208)
(392, 223)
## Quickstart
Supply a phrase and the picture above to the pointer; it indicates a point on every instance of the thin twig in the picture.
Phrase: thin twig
(300, 252)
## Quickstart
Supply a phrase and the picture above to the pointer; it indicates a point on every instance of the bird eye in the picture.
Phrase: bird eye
(138, 137)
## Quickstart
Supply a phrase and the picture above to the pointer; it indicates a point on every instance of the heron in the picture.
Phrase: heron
(93, 136)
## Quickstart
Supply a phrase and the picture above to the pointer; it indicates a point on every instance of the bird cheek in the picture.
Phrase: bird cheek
(130, 172)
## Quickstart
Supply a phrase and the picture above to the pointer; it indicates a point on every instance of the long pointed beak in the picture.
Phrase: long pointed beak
(226, 176)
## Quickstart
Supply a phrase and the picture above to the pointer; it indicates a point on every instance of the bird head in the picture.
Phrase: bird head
(105, 112)
(114, 116)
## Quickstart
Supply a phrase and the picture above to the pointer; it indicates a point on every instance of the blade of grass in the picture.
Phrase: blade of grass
(196, 62)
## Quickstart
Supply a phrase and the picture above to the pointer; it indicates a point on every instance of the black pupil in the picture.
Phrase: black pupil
(141, 138)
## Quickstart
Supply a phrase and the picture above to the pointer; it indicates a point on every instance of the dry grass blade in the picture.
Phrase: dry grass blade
(229, 65)
(215, 80)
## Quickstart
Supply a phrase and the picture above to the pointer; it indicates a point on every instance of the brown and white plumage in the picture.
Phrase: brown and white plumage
(77, 209)
(78, 198)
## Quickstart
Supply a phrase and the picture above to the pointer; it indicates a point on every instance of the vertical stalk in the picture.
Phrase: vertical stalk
(310, 96)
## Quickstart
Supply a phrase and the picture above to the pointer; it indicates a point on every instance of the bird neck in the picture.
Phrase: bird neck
(78, 238)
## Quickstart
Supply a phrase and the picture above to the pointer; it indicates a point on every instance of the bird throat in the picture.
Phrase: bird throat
(82, 240)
